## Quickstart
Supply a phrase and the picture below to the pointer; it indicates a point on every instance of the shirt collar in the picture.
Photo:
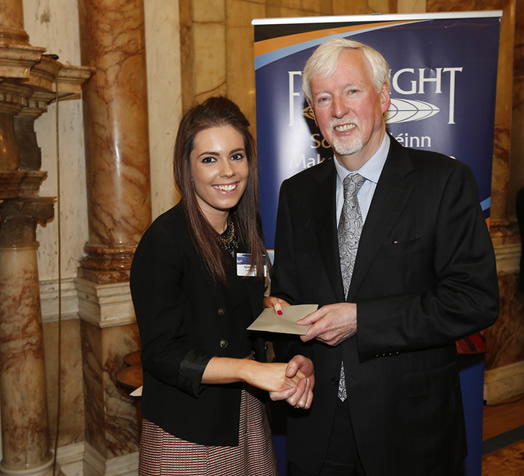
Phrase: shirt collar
(372, 169)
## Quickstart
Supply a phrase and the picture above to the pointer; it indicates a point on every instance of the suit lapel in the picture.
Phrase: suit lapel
(323, 208)
(392, 192)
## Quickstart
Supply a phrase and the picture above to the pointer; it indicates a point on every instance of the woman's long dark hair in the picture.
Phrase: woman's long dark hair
(219, 112)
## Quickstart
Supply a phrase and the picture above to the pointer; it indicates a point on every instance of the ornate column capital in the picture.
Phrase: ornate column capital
(19, 218)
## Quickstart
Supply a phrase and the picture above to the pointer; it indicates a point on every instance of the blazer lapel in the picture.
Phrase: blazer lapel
(323, 209)
(393, 190)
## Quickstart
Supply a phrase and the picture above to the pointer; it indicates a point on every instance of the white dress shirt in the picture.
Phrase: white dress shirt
(371, 171)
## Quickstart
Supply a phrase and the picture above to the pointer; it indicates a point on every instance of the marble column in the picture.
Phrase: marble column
(29, 81)
(116, 136)
(25, 431)
(12, 21)
(112, 40)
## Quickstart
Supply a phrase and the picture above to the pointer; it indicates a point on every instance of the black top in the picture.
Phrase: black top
(424, 277)
(185, 318)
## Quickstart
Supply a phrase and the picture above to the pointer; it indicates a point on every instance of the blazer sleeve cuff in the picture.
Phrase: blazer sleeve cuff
(191, 370)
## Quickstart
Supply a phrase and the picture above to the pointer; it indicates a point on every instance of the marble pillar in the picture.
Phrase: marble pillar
(29, 81)
(25, 431)
(12, 21)
(112, 40)
(116, 136)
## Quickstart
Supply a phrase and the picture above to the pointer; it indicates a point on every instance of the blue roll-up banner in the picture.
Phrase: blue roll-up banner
(443, 86)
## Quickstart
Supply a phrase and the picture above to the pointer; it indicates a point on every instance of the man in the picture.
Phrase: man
(422, 275)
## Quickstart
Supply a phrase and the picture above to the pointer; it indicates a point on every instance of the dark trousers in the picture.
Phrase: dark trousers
(342, 457)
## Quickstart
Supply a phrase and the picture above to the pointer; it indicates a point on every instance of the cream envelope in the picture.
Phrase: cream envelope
(269, 321)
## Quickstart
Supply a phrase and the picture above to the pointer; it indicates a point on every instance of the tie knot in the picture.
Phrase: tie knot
(352, 184)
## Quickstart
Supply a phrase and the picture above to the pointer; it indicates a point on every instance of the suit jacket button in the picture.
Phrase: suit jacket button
(221, 311)
(223, 343)
(334, 380)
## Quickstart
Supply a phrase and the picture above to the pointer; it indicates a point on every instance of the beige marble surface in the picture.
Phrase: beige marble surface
(72, 399)
(505, 340)
(164, 98)
(25, 441)
(115, 127)
(111, 420)
(12, 21)
(53, 24)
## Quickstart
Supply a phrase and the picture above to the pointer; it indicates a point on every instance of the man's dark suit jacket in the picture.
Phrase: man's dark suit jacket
(424, 277)
(185, 318)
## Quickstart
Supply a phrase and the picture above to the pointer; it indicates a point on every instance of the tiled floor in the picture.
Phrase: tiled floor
(498, 420)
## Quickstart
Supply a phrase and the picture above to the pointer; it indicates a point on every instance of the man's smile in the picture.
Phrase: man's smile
(345, 127)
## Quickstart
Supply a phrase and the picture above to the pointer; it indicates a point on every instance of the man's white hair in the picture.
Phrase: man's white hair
(324, 60)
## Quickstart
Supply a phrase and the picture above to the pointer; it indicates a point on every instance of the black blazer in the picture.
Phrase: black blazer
(184, 319)
(424, 277)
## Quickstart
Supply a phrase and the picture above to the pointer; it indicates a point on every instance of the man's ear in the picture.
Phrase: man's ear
(385, 98)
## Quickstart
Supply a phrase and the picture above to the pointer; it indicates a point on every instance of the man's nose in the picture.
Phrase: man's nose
(340, 108)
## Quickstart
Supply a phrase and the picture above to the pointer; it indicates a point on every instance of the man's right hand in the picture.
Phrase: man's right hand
(302, 396)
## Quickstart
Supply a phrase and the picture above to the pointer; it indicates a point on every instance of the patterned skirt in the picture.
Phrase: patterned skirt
(164, 454)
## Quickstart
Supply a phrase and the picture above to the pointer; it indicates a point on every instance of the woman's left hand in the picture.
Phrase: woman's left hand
(276, 303)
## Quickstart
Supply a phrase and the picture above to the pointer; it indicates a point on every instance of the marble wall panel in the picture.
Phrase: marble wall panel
(229, 30)
(505, 339)
(186, 54)
(71, 425)
(295, 4)
(411, 6)
(450, 5)
(279, 11)
(210, 59)
(164, 97)
(317, 7)
(209, 11)
(112, 426)
(241, 66)
(502, 146)
(517, 137)
(385, 6)
(53, 25)
(357, 7)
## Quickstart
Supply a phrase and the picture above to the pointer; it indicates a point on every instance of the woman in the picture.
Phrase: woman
(193, 305)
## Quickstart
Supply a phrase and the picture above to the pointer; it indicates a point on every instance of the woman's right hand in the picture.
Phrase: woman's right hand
(271, 376)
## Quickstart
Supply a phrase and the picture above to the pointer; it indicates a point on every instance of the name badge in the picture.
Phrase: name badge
(244, 265)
